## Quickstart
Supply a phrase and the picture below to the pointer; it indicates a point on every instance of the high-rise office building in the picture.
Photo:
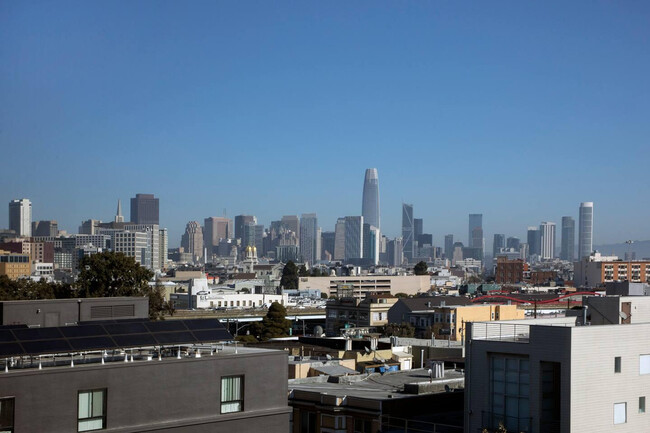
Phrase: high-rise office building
(192, 240)
(119, 218)
(449, 246)
(499, 242)
(568, 238)
(353, 237)
(374, 245)
(514, 243)
(215, 229)
(145, 209)
(248, 238)
(408, 228)
(370, 204)
(533, 241)
(418, 227)
(45, 228)
(291, 222)
(585, 229)
(164, 244)
(547, 240)
(395, 251)
(339, 239)
(475, 237)
(240, 221)
(259, 239)
(89, 227)
(308, 238)
(327, 245)
(153, 231)
(20, 217)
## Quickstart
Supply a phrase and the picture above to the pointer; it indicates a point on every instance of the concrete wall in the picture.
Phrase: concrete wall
(393, 284)
(59, 312)
(595, 387)
(169, 395)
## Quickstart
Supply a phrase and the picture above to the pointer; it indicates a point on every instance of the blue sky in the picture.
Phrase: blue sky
(517, 110)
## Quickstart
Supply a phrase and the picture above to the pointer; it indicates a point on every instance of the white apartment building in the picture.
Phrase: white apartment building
(550, 376)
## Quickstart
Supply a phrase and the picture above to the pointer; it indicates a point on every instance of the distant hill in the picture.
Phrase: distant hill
(641, 248)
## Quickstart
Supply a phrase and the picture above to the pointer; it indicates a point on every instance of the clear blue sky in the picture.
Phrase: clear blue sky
(517, 110)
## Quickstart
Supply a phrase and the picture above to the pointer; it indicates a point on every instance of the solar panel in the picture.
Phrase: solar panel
(185, 337)
(206, 335)
(37, 333)
(166, 326)
(92, 343)
(20, 340)
(6, 335)
(82, 331)
(46, 346)
(126, 328)
(203, 324)
(133, 340)
(11, 349)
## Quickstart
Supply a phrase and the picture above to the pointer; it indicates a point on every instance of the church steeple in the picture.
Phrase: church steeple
(118, 217)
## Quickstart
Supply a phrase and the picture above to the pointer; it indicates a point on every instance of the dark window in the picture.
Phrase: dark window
(641, 404)
(617, 364)
(232, 394)
(7, 415)
(362, 425)
(92, 410)
(307, 422)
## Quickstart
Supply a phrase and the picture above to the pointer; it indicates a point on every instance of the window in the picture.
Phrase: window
(642, 404)
(644, 364)
(362, 425)
(510, 379)
(7, 415)
(232, 395)
(620, 413)
(92, 410)
(617, 364)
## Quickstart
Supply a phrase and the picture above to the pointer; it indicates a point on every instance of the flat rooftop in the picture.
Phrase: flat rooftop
(376, 386)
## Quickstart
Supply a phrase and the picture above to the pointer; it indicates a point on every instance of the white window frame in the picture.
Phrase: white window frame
(232, 394)
(620, 413)
(644, 364)
(91, 414)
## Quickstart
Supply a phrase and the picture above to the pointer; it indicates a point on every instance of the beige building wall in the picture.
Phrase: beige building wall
(377, 284)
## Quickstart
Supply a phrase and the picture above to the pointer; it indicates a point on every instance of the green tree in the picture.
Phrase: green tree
(420, 268)
(157, 304)
(109, 274)
(303, 272)
(273, 325)
(403, 329)
(401, 295)
(289, 280)
(26, 289)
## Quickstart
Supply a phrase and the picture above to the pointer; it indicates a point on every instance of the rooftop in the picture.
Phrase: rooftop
(376, 386)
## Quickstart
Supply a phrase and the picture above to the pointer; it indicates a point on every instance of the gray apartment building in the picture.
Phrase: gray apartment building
(139, 376)
(551, 376)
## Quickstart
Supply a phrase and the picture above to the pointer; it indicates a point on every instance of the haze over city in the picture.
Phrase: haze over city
(518, 113)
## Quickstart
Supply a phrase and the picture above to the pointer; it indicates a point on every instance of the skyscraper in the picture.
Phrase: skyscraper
(547, 240)
(144, 209)
(327, 245)
(339, 239)
(499, 242)
(513, 242)
(119, 218)
(568, 238)
(308, 238)
(240, 221)
(585, 229)
(408, 228)
(418, 228)
(292, 223)
(192, 240)
(353, 237)
(449, 246)
(215, 229)
(533, 241)
(20, 217)
(475, 237)
(370, 204)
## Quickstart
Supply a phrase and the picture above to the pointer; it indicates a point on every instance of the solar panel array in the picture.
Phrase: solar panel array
(108, 335)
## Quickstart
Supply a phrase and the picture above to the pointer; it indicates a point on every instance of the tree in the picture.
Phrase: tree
(289, 280)
(401, 295)
(403, 329)
(273, 325)
(303, 272)
(420, 268)
(157, 304)
(26, 289)
(110, 274)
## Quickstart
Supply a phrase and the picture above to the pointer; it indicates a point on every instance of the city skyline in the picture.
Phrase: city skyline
(179, 112)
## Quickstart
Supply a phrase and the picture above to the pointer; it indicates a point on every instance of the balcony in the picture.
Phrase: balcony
(516, 333)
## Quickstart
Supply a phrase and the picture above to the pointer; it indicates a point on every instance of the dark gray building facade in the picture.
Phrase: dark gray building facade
(145, 209)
